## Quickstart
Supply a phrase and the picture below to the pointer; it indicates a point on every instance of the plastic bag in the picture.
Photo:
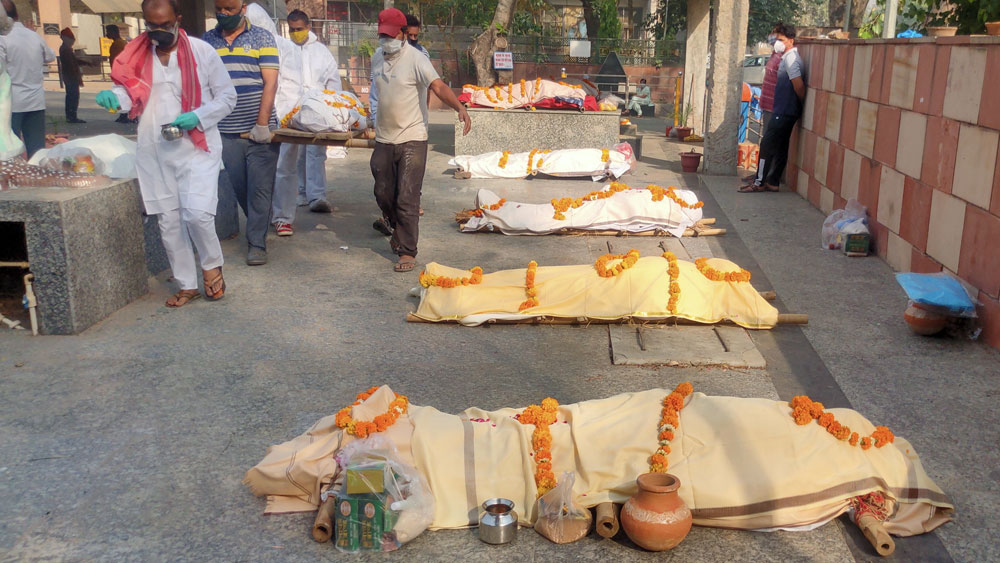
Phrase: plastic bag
(73, 159)
(383, 502)
(560, 518)
(853, 219)
(939, 291)
(609, 98)
(113, 155)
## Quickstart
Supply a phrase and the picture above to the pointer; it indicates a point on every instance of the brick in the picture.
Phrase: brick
(813, 193)
(864, 141)
(898, 253)
(815, 68)
(834, 111)
(910, 149)
(925, 79)
(989, 319)
(802, 184)
(844, 60)
(861, 71)
(848, 122)
(964, 87)
(887, 135)
(830, 62)
(914, 220)
(877, 73)
(944, 237)
(941, 62)
(905, 59)
(979, 262)
(791, 175)
(989, 105)
(822, 159)
(819, 113)
(940, 151)
(975, 165)
(851, 178)
(890, 198)
(808, 148)
(809, 109)
(835, 167)
(995, 205)
(825, 201)
(880, 238)
(839, 202)
(871, 173)
(923, 264)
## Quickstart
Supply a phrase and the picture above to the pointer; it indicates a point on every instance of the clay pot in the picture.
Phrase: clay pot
(683, 132)
(690, 161)
(656, 518)
(993, 28)
(666, 133)
(941, 31)
(923, 320)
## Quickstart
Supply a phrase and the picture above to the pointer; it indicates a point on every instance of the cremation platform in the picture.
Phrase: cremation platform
(521, 130)
(85, 248)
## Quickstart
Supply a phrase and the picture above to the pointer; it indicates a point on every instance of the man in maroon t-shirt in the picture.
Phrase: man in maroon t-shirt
(767, 89)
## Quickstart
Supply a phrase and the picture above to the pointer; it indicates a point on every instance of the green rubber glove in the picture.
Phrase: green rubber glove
(187, 121)
(108, 100)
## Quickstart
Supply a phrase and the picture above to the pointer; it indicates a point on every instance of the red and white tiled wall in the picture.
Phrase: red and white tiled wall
(910, 128)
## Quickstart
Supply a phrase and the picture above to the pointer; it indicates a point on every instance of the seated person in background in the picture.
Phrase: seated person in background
(641, 98)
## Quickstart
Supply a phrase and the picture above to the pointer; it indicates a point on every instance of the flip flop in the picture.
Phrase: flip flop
(405, 264)
(752, 189)
(183, 297)
(219, 291)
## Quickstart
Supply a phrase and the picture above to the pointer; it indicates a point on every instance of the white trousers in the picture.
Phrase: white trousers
(301, 172)
(178, 228)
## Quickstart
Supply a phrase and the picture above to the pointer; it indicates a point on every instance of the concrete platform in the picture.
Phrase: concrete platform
(84, 246)
(683, 346)
(519, 130)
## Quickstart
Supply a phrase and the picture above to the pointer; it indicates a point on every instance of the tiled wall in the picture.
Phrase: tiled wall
(911, 128)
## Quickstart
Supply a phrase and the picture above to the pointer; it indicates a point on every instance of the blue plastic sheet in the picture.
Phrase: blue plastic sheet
(939, 290)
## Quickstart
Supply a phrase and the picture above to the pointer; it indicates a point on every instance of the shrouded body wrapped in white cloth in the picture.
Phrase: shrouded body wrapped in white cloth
(742, 463)
(595, 163)
(326, 111)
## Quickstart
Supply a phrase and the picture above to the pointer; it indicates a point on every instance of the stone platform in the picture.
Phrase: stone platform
(84, 246)
(519, 130)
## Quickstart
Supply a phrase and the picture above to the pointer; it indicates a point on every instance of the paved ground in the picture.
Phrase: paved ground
(129, 441)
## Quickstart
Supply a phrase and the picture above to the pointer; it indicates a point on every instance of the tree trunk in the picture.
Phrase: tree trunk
(483, 46)
(593, 25)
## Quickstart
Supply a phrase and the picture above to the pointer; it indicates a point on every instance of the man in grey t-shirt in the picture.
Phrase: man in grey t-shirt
(401, 76)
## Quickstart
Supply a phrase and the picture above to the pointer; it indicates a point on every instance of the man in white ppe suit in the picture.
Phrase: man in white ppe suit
(165, 77)
(301, 177)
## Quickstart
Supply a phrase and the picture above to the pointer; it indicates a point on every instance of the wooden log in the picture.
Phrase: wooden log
(769, 295)
(792, 319)
(875, 533)
(323, 525)
(607, 519)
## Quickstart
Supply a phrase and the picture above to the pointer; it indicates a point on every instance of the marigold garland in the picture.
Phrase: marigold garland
(287, 120)
(493, 207)
(428, 280)
(380, 423)
(675, 288)
(805, 410)
(669, 421)
(715, 275)
(627, 261)
(541, 441)
(605, 155)
(659, 193)
(524, 93)
(561, 205)
(503, 159)
(531, 156)
(529, 287)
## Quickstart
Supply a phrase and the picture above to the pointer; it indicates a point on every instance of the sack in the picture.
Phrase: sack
(560, 518)
(853, 219)
(383, 503)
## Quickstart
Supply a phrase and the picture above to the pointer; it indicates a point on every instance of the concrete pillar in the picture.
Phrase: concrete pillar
(695, 62)
(53, 13)
(725, 85)
(193, 17)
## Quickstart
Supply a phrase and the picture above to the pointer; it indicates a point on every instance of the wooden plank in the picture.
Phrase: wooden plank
(783, 318)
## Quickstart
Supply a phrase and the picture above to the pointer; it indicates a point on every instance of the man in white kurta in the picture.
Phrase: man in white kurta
(178, 178)
(301, 177)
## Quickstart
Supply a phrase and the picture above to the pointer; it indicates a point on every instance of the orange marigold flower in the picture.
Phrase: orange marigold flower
(866, 443)
(658, 459)
(666, 435)
(545, 466)
(815, 409)
(670, 417)
(825, 419)
(684, 389)
(854, 438)
(833, 427)
(802, 416)
(800, 401)
(675, 400)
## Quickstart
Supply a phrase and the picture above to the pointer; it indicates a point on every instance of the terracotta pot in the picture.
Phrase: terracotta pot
(993, 28)
(656, 518)
(924, 321)
(942, 31)
(690, 161)
(683, 132)
(666, 132)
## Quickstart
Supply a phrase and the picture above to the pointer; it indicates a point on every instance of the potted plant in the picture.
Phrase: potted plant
(690, 161)
(941, 19)
(683, 130)
(989, 12)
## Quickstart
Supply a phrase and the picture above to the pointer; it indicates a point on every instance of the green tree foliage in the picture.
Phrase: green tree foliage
(765, 14)
(607, 16)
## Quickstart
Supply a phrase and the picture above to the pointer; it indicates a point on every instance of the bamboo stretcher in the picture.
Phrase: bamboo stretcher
(331, 139)
(702, 228)
(783, 319)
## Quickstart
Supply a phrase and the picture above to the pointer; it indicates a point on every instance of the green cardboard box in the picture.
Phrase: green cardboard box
(348, 528)
(364, 479)
(371, 519)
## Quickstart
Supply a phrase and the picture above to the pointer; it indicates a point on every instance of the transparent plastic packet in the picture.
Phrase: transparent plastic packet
(73, 159)
(560, 518)
(852, 219)
(383, 502)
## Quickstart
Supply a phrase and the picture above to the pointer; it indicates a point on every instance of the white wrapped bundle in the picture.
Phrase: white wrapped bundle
(325, 111)
(596, 163)
(523, 94)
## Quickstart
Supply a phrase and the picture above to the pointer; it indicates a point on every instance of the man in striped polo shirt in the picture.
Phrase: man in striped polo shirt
(251, 57)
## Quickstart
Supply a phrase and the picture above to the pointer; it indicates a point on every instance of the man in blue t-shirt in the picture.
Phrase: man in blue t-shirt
(789, 95)
(251, 57)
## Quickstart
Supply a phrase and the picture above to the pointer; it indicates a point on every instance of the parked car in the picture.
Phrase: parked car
(753, 69)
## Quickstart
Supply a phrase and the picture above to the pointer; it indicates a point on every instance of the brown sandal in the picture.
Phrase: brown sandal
(183, 297)
(405, 264)
(215, 288)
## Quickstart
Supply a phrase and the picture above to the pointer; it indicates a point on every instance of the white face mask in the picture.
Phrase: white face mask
(779, 47)
(390, 46)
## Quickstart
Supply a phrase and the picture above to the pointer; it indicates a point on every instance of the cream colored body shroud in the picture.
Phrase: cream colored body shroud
(578, 292)
(742, 463)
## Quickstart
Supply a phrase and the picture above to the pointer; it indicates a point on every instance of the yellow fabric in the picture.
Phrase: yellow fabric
(742, 463)
(578, 291)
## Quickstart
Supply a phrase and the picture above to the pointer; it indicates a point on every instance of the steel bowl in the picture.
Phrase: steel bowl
(498, 524)
(171, 132)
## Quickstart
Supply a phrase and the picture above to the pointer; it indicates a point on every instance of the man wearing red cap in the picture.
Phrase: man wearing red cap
(69, 70)
(401, 76)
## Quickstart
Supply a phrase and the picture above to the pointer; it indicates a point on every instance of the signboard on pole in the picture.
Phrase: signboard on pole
(503, 60)
(579, 48)
(106, 46)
